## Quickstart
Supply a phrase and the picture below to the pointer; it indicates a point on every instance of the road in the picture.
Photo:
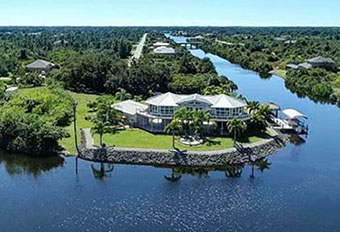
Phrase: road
(139, 49)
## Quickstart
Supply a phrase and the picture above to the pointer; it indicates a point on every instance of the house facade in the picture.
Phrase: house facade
(316, 62)
(160, 110)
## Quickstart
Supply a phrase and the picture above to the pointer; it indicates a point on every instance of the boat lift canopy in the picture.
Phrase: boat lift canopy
(293, 114)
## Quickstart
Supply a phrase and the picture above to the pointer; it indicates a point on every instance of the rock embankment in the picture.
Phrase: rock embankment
(232, 156)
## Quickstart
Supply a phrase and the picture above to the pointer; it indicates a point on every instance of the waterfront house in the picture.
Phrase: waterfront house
(164, 51)
(316, 62)
(40, 65)
(159, 110)
(130, 108)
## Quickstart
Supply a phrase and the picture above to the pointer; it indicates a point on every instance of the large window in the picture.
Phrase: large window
(153, 109)
(222, 112)
(237, 111)
(167, 110)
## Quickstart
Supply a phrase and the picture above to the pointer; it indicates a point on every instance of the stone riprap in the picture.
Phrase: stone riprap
(232, 156)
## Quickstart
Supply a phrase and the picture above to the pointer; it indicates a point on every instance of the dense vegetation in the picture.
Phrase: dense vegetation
(266, 49)
(94, 60)
(60, 45)
(34, 123)
(315, 83)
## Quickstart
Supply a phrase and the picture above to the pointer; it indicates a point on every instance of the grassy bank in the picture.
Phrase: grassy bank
(82, 109)
(136, 138)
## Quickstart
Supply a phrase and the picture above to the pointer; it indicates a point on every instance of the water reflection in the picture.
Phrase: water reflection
(175, 176)
(234, 171)
(296, 139)
(21, 164)
(103, 171)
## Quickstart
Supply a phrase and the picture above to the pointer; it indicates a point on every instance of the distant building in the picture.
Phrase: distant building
(12, 90)
(164, 51)
(160, 44)
(292, 66)
(61, 42)
(290, 42)
(199, 37)
(40, 65)
(322, 62)
(305, 66)
(160, 110)
(317, 62)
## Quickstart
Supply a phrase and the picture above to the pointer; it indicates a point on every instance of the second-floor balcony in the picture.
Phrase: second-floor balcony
(242, 116)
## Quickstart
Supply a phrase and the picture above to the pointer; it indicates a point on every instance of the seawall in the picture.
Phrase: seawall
(140, 156)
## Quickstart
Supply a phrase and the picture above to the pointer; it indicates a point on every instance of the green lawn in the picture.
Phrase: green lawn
(82, 110)
(136, 138)
(280, 72)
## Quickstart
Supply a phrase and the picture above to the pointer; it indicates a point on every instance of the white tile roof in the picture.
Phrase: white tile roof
(130, 107)
(217, 101)
(320, 59)
(305, 65)
(161, 44)
(166, 99)
(164, 50)
(40, 64)
(12, 89)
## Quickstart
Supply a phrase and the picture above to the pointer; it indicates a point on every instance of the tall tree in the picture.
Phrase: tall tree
(236, 127)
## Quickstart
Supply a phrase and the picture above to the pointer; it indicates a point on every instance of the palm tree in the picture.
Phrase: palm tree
(258, 121)
(101, 128)
(236, 126)
(197, 121)
(215, 90)
(265, 110)
(122, 95)
(252, 106)
(184, 117)
(173, 127)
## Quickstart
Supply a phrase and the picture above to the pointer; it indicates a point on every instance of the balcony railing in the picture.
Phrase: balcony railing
(213, 116)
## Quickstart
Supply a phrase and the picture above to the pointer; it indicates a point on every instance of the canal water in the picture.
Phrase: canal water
(298, 189)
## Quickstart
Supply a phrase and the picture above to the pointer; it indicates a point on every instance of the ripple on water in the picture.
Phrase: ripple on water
(214, 205)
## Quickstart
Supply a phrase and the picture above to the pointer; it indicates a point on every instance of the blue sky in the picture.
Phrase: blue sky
(170, 12)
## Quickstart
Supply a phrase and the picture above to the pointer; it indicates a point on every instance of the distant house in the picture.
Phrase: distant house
(164, 51)
(304, 66)
(322, 62)
(290, 42)
(292, 66)
(160, 44)
(40, 65)
(12, 90)
(61, 42)
(317, 62)
(199, 37)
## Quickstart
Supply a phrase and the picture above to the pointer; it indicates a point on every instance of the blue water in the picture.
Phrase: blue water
(300, 191)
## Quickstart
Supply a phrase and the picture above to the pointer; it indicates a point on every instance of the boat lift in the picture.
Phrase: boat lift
(291, 121)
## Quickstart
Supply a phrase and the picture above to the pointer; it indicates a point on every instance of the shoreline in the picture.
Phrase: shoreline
(162, 157)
